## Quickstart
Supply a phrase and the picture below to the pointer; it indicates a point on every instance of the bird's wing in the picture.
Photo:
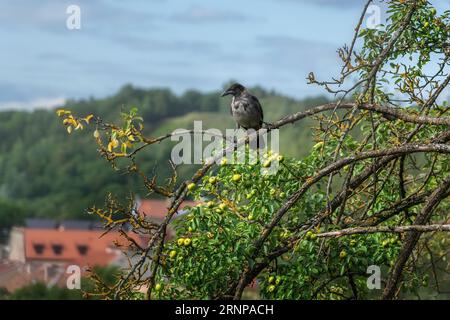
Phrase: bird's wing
(255, 101)
(248, 101)
(231, 106)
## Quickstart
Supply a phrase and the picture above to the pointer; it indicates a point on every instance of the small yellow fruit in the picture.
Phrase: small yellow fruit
(250, 217)
(274, 155)
(158, 286)
(210, 204)
(352, 243)
(342, 254)
(187, 241)
(308, 235)
(282, 195)
(191, 186)
(285, 235)
(267, 163)
(251, 194)
(222, 206)
(236, 177)
(180, 241)
(223, 161)
(272, 192)
(313, 236)
(285, 257)
(212, 180)
(277, 281)
(271, 288)
(271, 279)
(172, 254)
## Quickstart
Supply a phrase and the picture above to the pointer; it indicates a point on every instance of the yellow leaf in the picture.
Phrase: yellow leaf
(120, 133)
(318, 145)
(96, 134)
(79, 126)
(60, 112)
(69, 129)
(89, 117)
(70, 120)
(112, 145)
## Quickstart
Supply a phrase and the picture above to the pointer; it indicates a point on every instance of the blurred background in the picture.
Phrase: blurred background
(168, 58)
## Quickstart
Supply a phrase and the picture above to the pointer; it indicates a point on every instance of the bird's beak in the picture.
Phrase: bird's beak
(226, 93)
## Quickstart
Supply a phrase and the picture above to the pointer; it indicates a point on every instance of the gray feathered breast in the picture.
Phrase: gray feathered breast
(247, 112)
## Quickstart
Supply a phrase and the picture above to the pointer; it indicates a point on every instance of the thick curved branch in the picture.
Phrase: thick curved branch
(393, 112)
(396, 229)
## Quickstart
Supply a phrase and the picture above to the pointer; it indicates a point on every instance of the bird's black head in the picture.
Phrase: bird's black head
(235, 90)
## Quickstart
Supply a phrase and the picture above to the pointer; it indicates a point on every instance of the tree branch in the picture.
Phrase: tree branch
(413, 238)
(394, 229)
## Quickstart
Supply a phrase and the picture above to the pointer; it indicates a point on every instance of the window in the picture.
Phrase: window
(39, 248)
(57, 249)
(82, 249)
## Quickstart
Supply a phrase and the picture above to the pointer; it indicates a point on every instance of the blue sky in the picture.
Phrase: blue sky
(179, 44)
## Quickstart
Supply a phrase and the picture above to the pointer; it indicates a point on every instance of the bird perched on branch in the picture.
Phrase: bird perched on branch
(245, 107)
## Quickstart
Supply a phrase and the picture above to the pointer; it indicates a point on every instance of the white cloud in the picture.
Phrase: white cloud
(38, 103)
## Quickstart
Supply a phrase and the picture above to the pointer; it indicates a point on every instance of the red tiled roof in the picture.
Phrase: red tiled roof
(158, 209)
(101, 250)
